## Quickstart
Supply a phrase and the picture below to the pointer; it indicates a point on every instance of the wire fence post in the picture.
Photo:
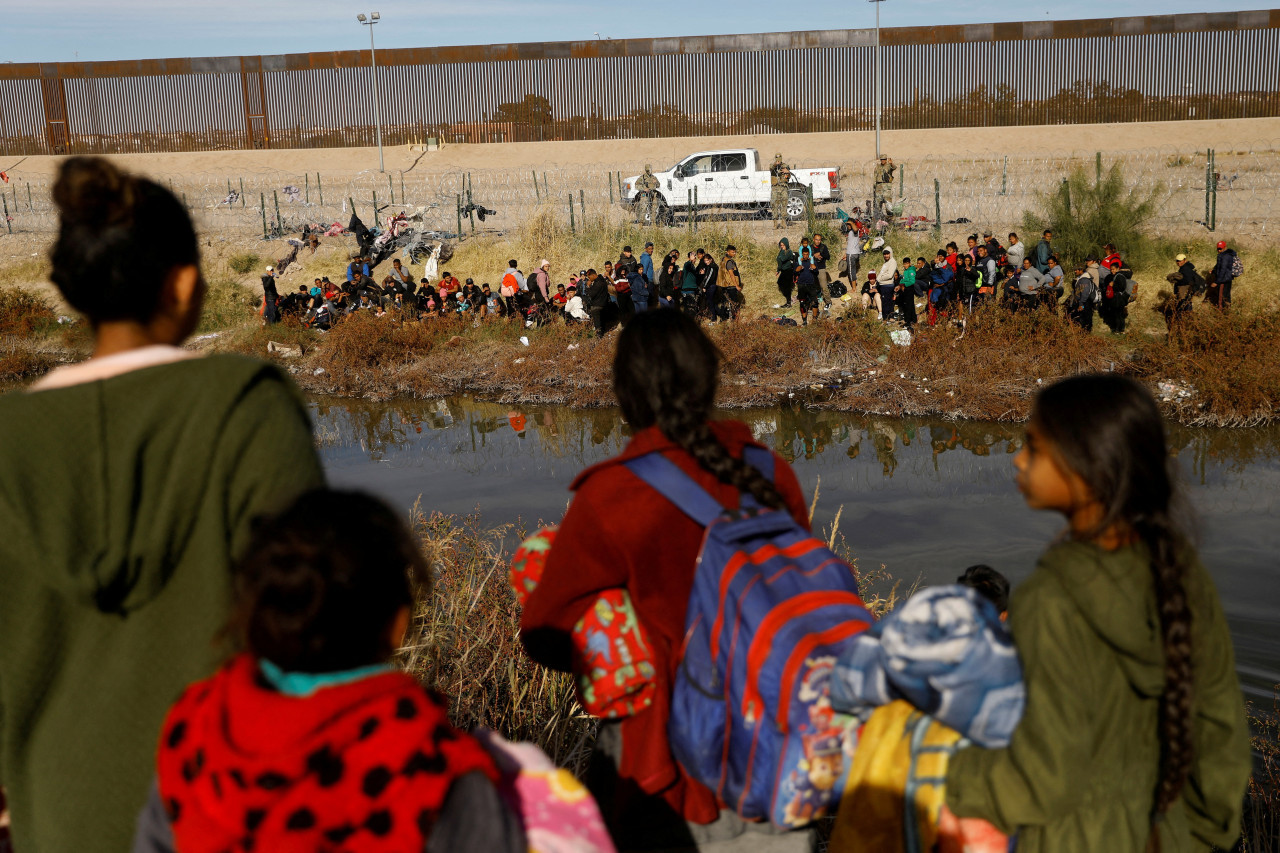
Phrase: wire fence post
(279, 222)
(582, 206)
(1004, 177)
(808, 205)
(262, 199)
(689, 210)
(7, 222)
(319, 189)
(306, 182)
(31, 206)
(902, 178)
(537, 196)
(611, 189)
(1097, 166)
(458, 207)
(572, 227)
(402, 198)
(375, 208)
(695, 210)
(391, 188)
(471, 205)
(242, 199)
(1066, 194)
(1213, 182)
(937, 208)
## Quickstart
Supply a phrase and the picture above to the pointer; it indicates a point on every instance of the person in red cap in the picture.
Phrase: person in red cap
(1227, 269)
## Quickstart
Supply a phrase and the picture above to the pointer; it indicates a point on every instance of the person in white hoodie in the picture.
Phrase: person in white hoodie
(885, 284)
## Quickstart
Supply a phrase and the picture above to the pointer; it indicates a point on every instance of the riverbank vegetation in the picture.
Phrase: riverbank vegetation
(1212, 370)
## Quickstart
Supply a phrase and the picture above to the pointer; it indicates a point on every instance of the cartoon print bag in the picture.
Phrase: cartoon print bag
(612, 663)
(556, 811)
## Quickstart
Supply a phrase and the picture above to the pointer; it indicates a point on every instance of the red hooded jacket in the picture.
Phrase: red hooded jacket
(619, 532)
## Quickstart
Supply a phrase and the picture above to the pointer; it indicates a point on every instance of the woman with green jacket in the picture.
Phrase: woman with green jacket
(1134, 735)
(128, 483)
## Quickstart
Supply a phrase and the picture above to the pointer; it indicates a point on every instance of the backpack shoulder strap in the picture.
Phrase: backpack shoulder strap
(676, 486)
(761, 459)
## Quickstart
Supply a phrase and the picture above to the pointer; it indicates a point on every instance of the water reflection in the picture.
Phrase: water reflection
(925, 498)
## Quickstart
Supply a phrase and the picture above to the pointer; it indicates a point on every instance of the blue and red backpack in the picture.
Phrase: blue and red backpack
(772, 609)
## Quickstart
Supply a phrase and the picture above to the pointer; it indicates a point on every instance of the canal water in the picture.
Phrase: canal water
(922, 498)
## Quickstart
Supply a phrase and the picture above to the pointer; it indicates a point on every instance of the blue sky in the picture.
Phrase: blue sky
(62, 30)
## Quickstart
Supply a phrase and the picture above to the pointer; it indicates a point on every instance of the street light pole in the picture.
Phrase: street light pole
(878, 84)
(377, 97)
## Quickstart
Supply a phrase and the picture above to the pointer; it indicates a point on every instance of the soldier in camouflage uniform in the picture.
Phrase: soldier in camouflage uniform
(779, 178)
(884, 185)
(646, 196)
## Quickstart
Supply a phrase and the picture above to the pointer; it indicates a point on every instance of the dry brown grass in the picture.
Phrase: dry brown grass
(25, 313)
(468, 646)
(1261, 828)
(990, 369)
(1229, 359)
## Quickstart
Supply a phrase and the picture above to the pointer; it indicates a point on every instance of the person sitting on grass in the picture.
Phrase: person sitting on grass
(574, 310)
(309, 737)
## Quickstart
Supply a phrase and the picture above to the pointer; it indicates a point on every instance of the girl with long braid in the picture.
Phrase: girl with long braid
(1134, 736)
(619, 532)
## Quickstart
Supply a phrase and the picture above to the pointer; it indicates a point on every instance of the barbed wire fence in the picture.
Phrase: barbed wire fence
(983, 188)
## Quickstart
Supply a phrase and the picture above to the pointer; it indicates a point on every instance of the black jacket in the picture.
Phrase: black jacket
(1222, 268)
(598, 293)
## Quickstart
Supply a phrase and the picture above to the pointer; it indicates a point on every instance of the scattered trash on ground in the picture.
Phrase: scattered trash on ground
(1170, 391)
(282, 350)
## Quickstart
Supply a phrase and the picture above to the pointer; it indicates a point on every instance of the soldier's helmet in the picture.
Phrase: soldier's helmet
(648, 168)
(777, 156)
(884, 156)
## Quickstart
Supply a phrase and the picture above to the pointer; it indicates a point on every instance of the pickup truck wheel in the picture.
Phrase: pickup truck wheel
(796, 204)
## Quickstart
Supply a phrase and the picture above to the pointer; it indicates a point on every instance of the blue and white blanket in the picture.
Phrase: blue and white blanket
(946, 652)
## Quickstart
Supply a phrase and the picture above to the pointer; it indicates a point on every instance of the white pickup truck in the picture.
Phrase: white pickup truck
(734, 179)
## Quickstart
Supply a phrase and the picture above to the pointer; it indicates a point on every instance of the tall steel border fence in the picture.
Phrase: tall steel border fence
(1164, 67)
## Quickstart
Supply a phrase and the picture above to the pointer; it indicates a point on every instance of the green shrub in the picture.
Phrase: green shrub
(243, 263)
(1086, 211)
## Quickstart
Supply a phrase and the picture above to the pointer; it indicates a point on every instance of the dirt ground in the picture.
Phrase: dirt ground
(799, 148)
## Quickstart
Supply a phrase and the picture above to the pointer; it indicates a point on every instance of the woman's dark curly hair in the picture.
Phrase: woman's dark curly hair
(1108, 430)
(666, 372)
(119, 237)
(321, 583)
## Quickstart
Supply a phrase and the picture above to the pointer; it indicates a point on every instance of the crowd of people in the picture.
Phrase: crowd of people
(196, 647)
(957, 281)
(632, 284)
(951, 284)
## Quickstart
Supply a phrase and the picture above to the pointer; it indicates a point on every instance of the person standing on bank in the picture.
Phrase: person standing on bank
(822, 254)
(647, 196)
(852, 250)
(1044, 251)
(787, 262)
(130, 484)
(270, 298)
(779, 181)
(883, 186)
(1224, 272)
